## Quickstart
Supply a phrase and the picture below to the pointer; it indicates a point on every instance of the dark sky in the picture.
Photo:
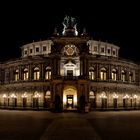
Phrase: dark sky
(115, 22)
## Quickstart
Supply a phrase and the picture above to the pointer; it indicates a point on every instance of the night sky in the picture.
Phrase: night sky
(115, 22)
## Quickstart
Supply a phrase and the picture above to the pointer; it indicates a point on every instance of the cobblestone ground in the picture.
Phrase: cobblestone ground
(43, 125)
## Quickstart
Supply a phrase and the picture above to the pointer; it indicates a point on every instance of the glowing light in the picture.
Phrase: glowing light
(48, 94)
(115, 96)
(91, 93)
(24, 95)
(64, 99)
(75, 100)
(135, 96)
(126, 96)
(103, 95)
(13, 96)
(36, 95)
(73, 94)
(4, 96)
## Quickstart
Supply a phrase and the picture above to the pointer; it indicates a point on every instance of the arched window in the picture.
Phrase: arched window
(16, 74)
(91, 94)
(25, 74)
(123, 75)
(48, 94)
(36, 73)
(103, 74)
(130, 76)
(114, 74)
(91, 73)
(48, 73)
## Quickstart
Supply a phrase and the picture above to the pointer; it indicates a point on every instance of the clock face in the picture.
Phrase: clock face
(69, 49)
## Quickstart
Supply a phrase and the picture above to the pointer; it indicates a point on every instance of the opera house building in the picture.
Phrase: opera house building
(69, 71)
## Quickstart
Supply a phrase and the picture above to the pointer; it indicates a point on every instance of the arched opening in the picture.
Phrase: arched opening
(91, 73)
(103, 74)
(36, 73)
(114, 74)
(24, 99)
(48, 73)
(123, 75)
(25, 74)
(92, 99)
(103, 97)
(36, 97)
(69, 98)
(115, 100)
(16, 75)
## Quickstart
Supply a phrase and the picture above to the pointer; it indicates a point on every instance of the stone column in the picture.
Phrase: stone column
(30, 72)
(20, 73)
(55, 66)
(97, 72)
(109, 73)
(86, 67)
(58, 65)
(81, 66)
(11, 78)
(86, 93)
(119, 73)
(41, 71)
(53, 93)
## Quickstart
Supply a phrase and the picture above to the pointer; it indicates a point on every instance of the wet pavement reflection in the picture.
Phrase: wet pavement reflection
(44, 125)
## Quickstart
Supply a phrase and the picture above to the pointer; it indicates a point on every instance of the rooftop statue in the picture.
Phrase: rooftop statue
(69, 23)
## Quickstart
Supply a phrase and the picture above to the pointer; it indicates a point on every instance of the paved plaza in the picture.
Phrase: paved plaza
(44, 125)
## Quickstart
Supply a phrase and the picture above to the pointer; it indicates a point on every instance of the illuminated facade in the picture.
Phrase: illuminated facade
(69, 71)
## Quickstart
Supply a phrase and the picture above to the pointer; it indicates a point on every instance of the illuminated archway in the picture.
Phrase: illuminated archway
(70, 97)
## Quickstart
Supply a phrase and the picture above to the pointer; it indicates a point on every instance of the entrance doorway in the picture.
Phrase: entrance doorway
(69, 72)
(69, 98)
(69, 101)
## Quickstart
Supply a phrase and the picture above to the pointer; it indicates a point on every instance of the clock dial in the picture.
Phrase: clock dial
(70, 51)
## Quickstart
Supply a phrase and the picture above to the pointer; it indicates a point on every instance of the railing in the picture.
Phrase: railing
(70, 77)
